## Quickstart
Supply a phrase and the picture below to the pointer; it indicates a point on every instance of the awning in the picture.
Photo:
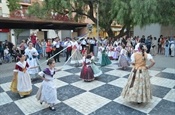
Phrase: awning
(16, 23)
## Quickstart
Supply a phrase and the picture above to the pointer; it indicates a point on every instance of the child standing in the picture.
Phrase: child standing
(47, 92)
(21, 80)
(87, 73)
(96, 70)
(123, 59)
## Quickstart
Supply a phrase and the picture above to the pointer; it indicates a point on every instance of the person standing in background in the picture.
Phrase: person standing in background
(57, 46)
(159, 45)
(68, 44)
(43, 45)
(49, 48)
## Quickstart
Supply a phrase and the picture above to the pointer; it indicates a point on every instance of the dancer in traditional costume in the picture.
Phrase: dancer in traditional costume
(138, 87)
(117, 50)
(87, 73)
(32, 55)
(96, 70)
(123, 59)
(105, 59)
(47, 92)
(76, 57)
(110, 51)
(21, 80)
(99, 55)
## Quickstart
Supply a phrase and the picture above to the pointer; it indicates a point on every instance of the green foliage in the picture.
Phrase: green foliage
(13, 5)
(125, 12)
(37, 10)
(18, 32)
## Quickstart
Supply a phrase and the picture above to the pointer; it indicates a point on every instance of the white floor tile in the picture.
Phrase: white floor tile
(6, 86)
(4, 98)
(169, 70)
(30, 105)
(153, 73)
(170, 96)
(163, 82)
(118, 73)
(120, 82)
(144, 107)
(61, 74)
(87, 102)
(88, 85)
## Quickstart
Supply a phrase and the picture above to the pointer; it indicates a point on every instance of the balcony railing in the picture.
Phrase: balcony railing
(21, 14)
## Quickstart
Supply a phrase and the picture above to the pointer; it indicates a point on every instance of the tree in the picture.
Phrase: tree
(13, 5)
(17, 33)
(128, 13)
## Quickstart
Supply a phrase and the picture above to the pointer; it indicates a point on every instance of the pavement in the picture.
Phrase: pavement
(100, 97)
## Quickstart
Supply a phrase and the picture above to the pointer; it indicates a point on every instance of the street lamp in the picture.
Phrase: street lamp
(97, 20)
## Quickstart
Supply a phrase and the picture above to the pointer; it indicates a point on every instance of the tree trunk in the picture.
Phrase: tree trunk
(110, 33)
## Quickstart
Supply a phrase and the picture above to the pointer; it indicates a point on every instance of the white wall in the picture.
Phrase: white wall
(5, 9)
(66, 33)
(153, 29)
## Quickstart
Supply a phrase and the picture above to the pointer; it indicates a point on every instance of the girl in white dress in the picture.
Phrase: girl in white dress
(99, 55)
(21, 80)
(47, 92)
(32, 55)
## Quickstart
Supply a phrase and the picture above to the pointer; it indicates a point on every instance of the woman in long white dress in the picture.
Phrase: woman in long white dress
(32, 55)
(76, 55)
(21, 80)
(99, 55)
(47, 92)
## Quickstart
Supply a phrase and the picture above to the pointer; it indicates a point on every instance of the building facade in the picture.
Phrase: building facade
(155, 30)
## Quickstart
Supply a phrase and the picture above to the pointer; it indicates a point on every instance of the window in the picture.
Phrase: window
(0, 12)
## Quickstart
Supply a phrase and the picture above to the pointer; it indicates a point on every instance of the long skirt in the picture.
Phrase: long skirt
(116, 55)
(87, 73)
(138, 87)
(105, 60)
(95, 50)
(47, 93)
(96, 70)
(76, 57)
(123, 61)
(32, 63)
(173, 51)
(21, 84)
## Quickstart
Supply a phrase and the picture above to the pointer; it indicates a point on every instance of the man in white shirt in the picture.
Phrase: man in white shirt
(83, 43)
(57, 48)
(68, 44)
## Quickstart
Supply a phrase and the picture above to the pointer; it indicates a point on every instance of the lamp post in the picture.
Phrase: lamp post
(97, 20)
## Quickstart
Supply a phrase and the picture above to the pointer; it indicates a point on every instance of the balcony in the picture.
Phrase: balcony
(25, 2)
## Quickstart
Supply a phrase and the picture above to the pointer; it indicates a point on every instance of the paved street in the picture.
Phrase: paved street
(100, 97)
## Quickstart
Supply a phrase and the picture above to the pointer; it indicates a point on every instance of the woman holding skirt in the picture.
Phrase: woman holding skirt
(96, 70)
(47, 92)
(87, 73)
(21, 80)
(138, 87)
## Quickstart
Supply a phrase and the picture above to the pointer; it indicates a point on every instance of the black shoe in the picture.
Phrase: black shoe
(52, 108)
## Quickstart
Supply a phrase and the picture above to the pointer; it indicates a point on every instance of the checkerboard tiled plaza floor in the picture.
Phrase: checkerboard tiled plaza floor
(100, 97)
